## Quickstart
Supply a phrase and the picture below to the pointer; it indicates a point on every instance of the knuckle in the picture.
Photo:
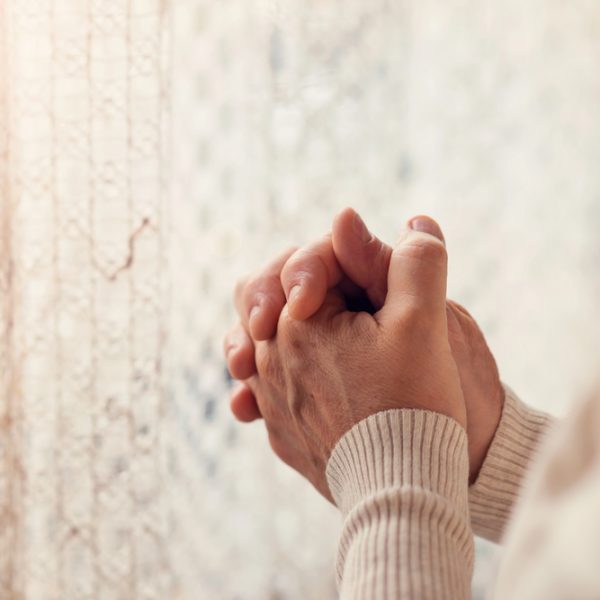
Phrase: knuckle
(251, 294)
(252, 284)
(241, 364)
(260, 286)
(267, 278)
(236, 337)
(264, 360)
(288, 328)
(296, 265)
(310, 260)
(267, 363)
(431, 251)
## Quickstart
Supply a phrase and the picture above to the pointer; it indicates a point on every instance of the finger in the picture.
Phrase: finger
(260, 298)
(243, 404)
(239, 352)
(460, 308)
(307, 276)
(333, 304)
(363, 258)
(418, 272)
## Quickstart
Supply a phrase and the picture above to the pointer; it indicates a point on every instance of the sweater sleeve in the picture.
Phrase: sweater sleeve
(553, 541)
(494, 493)
(400, 479)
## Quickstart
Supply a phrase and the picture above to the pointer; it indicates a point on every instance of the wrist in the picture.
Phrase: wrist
(482, 427)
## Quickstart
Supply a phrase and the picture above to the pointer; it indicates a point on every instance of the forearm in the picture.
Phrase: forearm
(400, 479)
(493, 495)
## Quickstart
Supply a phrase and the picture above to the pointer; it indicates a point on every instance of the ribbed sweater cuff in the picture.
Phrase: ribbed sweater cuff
(396, 448)
(400, 478)
(494, 493)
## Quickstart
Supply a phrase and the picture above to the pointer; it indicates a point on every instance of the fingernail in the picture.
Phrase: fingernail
(254, 313)
(361, 229)
(294, 294)
(427, 225)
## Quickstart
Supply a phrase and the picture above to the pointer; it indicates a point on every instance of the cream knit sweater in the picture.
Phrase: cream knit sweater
(400, 479)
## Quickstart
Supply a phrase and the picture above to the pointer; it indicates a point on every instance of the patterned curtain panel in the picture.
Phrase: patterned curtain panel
(83, 321)
(151, 152)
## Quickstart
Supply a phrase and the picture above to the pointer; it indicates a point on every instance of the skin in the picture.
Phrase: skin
(353, 264)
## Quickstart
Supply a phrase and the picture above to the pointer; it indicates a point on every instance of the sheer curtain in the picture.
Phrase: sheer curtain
(82, 111)
(152, 152)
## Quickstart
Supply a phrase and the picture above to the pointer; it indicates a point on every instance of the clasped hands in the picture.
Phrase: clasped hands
(346, 327)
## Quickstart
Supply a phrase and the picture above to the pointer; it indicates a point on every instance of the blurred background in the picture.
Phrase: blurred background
(152, 152)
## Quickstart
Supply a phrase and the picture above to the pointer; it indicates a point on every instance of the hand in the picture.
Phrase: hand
(356, 263)
(319, 377)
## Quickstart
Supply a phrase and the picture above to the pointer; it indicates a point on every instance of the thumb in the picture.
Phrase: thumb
(418, 273)
(364, 259)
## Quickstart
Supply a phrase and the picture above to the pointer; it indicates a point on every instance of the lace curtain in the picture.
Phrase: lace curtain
(82, 406)
(152, 152)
